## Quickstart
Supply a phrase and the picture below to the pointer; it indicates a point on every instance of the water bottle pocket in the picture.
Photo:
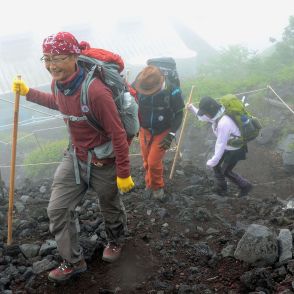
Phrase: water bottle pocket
(256, 123)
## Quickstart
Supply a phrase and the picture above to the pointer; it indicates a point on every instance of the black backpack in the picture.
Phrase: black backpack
(168, 67)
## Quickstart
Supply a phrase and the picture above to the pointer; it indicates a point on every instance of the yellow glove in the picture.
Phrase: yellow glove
(19, 86)
(125, 184)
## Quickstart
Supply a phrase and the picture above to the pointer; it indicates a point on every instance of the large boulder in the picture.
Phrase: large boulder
(258, 246)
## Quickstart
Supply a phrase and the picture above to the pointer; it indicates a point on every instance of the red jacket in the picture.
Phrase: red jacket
(84, 136)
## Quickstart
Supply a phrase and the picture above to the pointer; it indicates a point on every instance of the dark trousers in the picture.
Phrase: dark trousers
(224, 169)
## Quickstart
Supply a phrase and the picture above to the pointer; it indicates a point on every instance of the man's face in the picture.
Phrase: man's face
(61, 67)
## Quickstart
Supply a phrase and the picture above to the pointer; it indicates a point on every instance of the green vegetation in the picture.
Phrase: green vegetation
(236, 69)
(21, 136)
(51, 152)
(291, 147)
(288, 129)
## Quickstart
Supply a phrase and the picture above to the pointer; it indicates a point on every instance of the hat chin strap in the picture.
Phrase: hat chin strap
(163, 86)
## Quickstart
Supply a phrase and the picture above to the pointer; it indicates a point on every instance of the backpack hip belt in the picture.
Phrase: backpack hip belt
(104, 151)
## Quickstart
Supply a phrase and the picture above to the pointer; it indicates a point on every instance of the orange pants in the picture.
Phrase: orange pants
(152, 158)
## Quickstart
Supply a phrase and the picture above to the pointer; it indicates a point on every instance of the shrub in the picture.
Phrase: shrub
(51, 152)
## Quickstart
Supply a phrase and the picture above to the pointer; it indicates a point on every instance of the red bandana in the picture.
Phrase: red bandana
(61, 43)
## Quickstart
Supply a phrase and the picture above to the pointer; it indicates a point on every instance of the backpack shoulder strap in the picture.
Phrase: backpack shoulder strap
(176, 91)
(84, 100)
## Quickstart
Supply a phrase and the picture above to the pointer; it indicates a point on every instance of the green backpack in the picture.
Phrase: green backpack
(249, 125)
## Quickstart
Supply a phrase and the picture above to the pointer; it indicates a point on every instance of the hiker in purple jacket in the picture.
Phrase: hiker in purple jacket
(81, 167)
(225, 156)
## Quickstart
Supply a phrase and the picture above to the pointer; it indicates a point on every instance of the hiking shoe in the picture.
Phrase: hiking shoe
(147, 193)
(111, 252)
(220, 191)
(158, 194)
(244, 191)
(67, 270)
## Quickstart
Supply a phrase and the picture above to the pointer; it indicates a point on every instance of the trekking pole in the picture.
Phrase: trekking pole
(12, 165)
(181, 137)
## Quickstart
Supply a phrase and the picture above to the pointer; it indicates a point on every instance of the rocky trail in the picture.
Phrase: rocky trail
(187, 244)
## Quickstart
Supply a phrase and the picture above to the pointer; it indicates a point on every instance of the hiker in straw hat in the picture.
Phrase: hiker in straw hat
(161, 112)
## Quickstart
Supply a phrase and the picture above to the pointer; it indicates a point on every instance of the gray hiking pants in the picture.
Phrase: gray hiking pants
(66, 195)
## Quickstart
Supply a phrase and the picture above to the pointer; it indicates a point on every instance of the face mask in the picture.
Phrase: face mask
(205, 118)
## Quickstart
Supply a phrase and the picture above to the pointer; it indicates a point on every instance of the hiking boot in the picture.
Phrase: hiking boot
(67, 270)
(221, 191)
(147, 193)
(243, 184)
(158, 194)
(245, 190)
(111, 252)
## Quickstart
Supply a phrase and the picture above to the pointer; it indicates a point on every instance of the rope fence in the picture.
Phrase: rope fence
(281, 99)
(15, 140)
(135, 154)
(253, 91)
(34, 109)
(47, 163)
(33, 134)
(262, 89)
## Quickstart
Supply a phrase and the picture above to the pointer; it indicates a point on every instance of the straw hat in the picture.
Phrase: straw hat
(149, 80)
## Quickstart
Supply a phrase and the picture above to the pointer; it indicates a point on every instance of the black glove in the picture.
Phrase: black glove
(166, 142)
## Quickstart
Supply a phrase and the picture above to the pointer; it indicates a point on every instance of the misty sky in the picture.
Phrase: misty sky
(219, 22)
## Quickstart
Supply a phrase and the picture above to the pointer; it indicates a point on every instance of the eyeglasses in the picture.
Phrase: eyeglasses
(53, 60)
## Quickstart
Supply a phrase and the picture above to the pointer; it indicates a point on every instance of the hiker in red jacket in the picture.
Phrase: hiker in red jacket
(106, 172)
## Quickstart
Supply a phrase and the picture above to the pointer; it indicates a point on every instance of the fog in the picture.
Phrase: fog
(137, 30)
(220, 23)
(24, 24)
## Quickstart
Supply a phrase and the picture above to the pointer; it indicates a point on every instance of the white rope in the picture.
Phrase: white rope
(32, 134)
(20, 123)
(41, 130)
(253, 91)
(135, 154)
(28, 135)
(30, 108)
(47, 163)
(57, 162)
(27, 122)
(248, 92)
(281, 99)
(30, 164)
(5, 143)
(268, 87)
(39, 86)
